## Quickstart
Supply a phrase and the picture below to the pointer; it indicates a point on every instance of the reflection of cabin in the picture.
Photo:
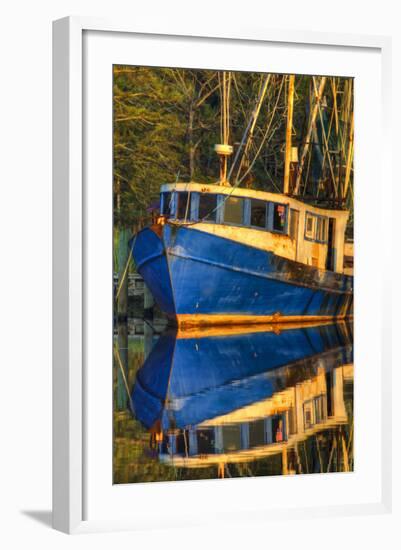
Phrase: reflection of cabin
(269, 221)
(264, 428)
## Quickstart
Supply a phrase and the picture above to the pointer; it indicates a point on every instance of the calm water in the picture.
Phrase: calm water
(233, 402)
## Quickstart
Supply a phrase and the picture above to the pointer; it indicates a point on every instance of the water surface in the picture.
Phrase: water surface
(233, 402)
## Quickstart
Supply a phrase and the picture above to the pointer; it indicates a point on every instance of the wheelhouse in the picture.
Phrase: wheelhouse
(187, 206)
(276, 222)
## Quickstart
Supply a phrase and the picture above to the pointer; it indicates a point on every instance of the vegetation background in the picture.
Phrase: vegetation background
(167, 121)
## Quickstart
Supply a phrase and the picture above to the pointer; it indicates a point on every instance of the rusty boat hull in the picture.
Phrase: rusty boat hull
(198, 278)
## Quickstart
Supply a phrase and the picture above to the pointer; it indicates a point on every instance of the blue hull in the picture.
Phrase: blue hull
(186, 381)
(195, 274)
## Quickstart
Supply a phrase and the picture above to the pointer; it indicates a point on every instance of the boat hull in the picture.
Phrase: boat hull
(199, 278)
(189, 380)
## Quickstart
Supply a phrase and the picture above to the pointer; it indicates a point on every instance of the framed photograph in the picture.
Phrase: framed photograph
(219, 275)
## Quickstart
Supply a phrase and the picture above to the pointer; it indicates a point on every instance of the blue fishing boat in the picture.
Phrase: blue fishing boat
(224, 255)
(214, 396)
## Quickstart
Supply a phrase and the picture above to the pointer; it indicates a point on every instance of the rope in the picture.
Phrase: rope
(250, 123)
(120, 364)
(253, 125)
(264, 137)
(121, 282)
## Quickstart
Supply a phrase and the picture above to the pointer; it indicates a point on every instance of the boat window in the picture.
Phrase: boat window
(233, 210)
(321, 229)
(181, 443)
(258, 213)
(257, 433)
(183, 211)
(279, 215)
(316, 227)
(206, 441)
(231, 437)
(166, 204)
(320, 409)
(294, 223)
(207, 207)
(308, 414)
(309, 226)
(278, 429)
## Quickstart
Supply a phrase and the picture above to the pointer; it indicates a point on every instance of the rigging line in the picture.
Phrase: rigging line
(254, 119)
(239, 95)
(312, 118)
(187, 205)
(228, 105)
(120, 364)
(224, 108)
(325, 141)
(254, 114)
(226, 197)
(351, 434)
(120, 284)
(221, 108)
(265, 135)
(307, 173)
(335, 106)
(345, 118)
(271, 180)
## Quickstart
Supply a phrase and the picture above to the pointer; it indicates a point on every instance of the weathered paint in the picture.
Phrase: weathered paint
(305, 251)
(199, 331)
(198, 274)
(185, 321)
(149, 255)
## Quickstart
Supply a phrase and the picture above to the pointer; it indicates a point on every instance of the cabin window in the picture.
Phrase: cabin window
(181, 443)
(321, 229)
(309, 226)
(257, 433)
(183, 210)
(320, 409)
(278, 429)
(231, 437)
(308, 414)
(258, 213)
(206, 441)
(233, 210)
(207, 207)
(294, 224)
(279, 217)
(166, 204)
(316, 227)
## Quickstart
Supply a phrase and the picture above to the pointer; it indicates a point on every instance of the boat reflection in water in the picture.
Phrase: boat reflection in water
(215, 399)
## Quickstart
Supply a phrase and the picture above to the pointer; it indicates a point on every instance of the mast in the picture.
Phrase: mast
(288, 148)
(224, 150)
(312, 120)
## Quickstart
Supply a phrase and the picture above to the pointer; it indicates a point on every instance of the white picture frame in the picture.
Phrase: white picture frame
(70, 261)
